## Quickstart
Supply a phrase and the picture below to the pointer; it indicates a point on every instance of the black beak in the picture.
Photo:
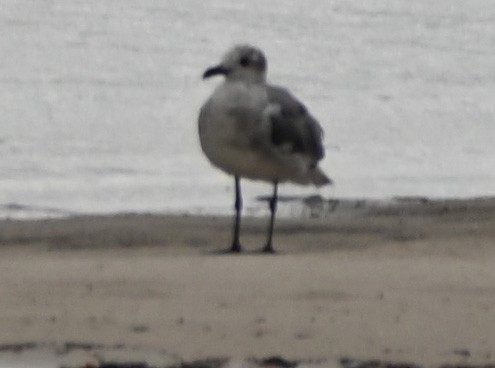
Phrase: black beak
(215, 70)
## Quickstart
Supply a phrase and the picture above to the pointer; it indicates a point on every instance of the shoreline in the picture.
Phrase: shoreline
(290, 207)
(319, 226)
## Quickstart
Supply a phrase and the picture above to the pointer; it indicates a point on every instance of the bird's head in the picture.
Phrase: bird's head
(242, 62)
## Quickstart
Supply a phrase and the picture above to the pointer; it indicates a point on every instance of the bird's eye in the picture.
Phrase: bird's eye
(244, 61)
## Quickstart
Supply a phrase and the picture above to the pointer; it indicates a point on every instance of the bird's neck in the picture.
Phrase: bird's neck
(248, 79)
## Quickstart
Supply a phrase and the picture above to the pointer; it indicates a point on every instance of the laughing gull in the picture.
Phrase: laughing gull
(254, 130)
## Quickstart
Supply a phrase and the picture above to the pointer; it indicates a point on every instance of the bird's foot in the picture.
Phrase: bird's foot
(268, 249)
(234, 249)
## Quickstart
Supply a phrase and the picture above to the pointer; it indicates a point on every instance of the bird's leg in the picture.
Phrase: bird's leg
(273, 208)
(236, 245)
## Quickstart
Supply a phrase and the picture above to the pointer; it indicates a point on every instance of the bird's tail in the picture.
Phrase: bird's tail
(318, 177)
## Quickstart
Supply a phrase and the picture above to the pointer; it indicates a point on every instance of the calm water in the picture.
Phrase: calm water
(98, 99)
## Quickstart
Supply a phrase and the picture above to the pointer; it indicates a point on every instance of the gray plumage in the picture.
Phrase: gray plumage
(254, 130)
(259, 131)
(293, 125)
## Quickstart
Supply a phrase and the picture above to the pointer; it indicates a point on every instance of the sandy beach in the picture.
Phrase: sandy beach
(408, 282)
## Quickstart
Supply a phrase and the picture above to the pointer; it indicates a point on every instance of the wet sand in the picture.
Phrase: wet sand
(412, 281)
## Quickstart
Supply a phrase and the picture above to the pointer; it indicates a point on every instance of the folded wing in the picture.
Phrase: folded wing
(293, 129)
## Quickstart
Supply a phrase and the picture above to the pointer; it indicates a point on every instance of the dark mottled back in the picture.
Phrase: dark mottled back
(293, 126)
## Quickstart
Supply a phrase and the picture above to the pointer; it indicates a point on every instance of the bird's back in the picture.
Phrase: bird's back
(293, 126)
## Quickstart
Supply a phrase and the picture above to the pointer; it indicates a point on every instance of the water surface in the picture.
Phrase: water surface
(99, 99)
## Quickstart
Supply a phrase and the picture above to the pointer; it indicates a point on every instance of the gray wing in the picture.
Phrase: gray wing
(292, 127)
